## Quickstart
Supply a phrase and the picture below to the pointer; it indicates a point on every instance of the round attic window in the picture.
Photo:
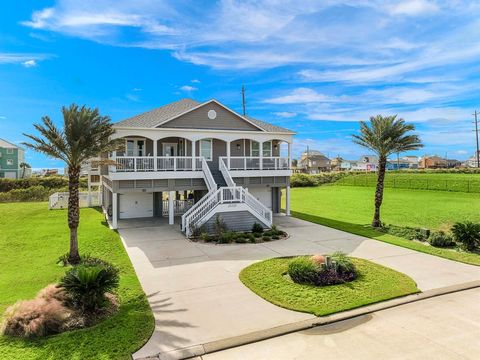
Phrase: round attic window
(212, 114)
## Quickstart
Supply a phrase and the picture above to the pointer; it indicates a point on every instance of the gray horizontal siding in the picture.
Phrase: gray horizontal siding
(236, 221)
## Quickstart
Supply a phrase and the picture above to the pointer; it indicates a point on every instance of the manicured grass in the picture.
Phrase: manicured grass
(350, 208)
(31, 240)
(457, 182)
(375, 283)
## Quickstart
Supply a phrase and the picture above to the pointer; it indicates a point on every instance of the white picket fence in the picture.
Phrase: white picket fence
(59, 200)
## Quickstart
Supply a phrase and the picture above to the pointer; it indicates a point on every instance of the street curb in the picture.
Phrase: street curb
(218, 345)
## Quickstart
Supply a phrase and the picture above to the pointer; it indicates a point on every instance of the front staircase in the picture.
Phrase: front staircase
(234, 204)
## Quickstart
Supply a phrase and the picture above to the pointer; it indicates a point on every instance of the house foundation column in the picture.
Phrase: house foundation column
(114, 210)
(287, 200)
(171, 209)
(289, 155)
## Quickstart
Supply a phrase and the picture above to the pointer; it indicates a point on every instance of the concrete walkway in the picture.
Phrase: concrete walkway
(197, 298)
(445, 327)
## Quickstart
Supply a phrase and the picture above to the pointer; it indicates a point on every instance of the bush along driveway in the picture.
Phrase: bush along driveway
(31, 240)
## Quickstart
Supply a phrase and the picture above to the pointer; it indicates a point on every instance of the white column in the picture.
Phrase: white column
(171, 210)
(287, 200)
(89, 196)
(228, 154)
(114, 210)
(289, 155)
(260, 146)
(194, 150)
(155, 150)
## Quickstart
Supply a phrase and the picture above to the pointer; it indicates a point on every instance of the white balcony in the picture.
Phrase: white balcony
(248, 163)
(127, 164)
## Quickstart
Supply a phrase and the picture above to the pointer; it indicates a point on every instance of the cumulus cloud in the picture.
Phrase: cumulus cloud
(188, 88)
(29, 63)
(285, 114)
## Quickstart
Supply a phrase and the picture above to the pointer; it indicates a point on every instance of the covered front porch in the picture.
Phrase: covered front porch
(144, 154)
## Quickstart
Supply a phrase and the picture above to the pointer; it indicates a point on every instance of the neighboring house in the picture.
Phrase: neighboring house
(313, 162)
(365, 163)
(412, 161)
(436, 162)
(11, 156)
(398, 164)
(348, 164)
(198, 160)
(472, 161)
(336, 163)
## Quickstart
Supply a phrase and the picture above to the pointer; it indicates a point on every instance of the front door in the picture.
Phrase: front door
(169, 149)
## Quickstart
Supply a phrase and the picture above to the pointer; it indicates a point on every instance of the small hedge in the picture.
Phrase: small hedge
(48, 182)
(303, 180)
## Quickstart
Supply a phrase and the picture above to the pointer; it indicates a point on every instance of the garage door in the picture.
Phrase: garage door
(136, 205)
(264, 195)
(10, 175)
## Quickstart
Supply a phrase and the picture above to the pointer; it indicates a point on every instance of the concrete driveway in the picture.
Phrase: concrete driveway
(197, 298)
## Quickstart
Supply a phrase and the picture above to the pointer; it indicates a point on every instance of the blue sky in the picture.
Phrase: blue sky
(315, 67)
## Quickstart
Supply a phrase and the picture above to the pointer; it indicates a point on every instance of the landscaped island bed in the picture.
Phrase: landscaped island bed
(350, 208)
(31, 240)
(374, 283)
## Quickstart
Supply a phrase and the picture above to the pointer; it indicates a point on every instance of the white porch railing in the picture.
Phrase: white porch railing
(180, 207)
(158, 163)
(257, 163)
(211, 184)
(226, 174)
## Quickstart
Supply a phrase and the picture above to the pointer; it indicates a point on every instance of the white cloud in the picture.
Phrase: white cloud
(413, 8)
(299, 95)
(285, 114)
(188, 88)
(3, 117)
(195, 81)
(29, 63)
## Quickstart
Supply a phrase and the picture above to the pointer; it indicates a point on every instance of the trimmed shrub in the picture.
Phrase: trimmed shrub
(251, 238)
(257, 228)
(87, 284)
(441, 239)
(266, 238)
(467, 234)
(302, 270)
(342, 263)
(407, 232)
(226, 237)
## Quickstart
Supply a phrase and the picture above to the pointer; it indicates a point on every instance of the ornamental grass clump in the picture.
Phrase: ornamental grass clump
(321, 271)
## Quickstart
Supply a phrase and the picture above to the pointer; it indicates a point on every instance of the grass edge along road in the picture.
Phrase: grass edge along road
(369, 232)
(31, 240)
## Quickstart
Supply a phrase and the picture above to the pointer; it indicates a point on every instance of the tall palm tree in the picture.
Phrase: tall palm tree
(385, 136)
(24, 166)
(85, 135)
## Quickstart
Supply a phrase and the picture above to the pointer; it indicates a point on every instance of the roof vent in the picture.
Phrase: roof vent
(212, 114)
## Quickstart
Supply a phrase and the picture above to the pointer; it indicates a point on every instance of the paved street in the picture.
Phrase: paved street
(444, 327)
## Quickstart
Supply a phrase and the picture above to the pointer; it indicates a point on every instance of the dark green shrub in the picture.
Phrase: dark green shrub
(226, 237)
(268, 233)
(342, 263)
(266, 238)
(257, 228)
(86, 285)
(220, 227)
(441, 239)
(303, 270)
(407, 232)
(275, 237)
(257, 235)
(241, 240)
(301, 180)
(467, 234)
(251, 238)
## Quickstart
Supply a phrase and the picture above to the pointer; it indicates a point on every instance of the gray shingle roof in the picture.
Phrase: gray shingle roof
(156, 116)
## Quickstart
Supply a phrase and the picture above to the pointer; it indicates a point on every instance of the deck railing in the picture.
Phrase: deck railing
(158, 163)
(256, 163)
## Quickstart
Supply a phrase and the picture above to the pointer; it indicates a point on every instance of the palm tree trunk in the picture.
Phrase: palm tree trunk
(382, 163)
(73, 212)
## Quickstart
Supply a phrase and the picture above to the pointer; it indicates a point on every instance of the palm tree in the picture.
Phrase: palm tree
(24, 166)
(85, 135)
(385, 136)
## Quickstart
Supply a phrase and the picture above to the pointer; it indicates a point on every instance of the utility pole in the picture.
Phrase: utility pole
(476, 136)
(243, 101)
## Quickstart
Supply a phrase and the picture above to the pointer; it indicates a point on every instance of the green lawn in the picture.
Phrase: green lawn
(350, 208)
(31, 240)
(411, 180)
(375, 283)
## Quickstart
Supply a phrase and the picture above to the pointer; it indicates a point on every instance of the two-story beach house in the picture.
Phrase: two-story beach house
(192, 162)
(11, 156)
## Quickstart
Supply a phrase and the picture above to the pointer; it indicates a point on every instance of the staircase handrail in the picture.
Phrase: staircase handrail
(226, 174)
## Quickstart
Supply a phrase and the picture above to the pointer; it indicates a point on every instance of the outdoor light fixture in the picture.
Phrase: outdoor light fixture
(238, 146)
(275, 146)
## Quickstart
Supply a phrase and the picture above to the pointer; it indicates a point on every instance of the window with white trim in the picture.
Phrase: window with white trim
(206, 149)
(254, 148)
(9, 151)
(10, 162)
(267, 149)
